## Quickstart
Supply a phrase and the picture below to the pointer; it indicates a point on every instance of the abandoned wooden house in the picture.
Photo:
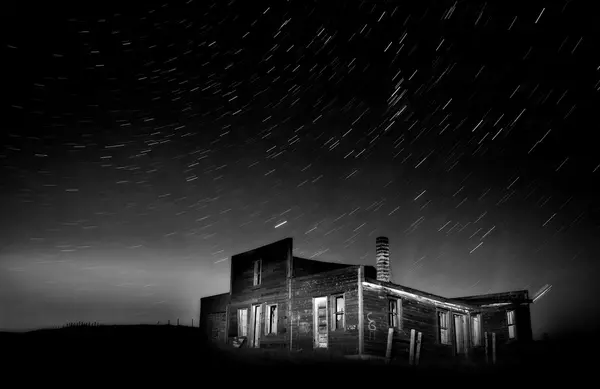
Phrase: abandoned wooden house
(277, 300)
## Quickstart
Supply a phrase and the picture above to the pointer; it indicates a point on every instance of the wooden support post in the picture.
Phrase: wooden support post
(361, 314)
(411, 354)
(485, 339)
(494, 348)
(418, 353)
(388, 351)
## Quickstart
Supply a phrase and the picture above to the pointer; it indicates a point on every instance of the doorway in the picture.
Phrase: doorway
(321, 328)
(459, 334)
(256, 320)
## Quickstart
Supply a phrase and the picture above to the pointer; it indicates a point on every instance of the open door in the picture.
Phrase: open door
(255, 326)
(460, 334)
(321, 327)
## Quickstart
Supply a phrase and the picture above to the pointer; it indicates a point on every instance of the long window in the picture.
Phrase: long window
(476, 330)
(243, 322)
(257, 272)
(271, 324)
(444, 329)
(510, 319)
(339, 310)
(394, 313)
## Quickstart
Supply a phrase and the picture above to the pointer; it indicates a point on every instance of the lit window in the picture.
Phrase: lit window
(476, 330)
(243, 322)
(510, 319)
(257, 272)
(271, 324)
(338, 312)
(443, 327)
(393, 313)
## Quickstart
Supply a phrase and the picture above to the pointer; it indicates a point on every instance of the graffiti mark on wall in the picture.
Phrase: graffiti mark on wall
(351, 327)
(372, 324)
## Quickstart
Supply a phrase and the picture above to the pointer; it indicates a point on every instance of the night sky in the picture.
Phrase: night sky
(143, 145)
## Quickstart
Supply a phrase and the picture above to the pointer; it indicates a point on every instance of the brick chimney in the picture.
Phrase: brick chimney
(382, 250)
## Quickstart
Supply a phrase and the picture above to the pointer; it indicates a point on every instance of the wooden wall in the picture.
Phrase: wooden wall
(303, 267)
(213, 311)
(335, 282)
(495, 320)
(415, 314)
(275, 261)
(523, 320)
(273, 289)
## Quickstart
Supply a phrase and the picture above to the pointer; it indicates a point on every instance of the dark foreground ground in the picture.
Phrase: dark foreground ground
(166, 355)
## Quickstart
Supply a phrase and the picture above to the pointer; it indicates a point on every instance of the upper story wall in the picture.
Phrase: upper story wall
(215, 303)
(304, 267)
(274, 262)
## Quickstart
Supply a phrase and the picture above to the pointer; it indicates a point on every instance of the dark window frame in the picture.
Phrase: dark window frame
(394, 318)
(271, 322)
(446, 328)
(513, 324)
(335, 312)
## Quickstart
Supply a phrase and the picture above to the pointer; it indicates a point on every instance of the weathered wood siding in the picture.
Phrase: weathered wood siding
(494, 320)
(414, 314)
(523, 320)
(304, 267)
(326, 284)
(213, 312)
(275, 261)
(273, 289)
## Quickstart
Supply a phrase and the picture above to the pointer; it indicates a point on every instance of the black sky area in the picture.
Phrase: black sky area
(145, 143)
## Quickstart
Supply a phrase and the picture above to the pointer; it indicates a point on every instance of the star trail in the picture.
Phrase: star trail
(144, 145)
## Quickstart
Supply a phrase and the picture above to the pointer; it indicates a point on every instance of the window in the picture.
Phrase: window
(394, 313)
(338, 312)
(257, 272)
(243, 322)
(443, 327)
(271, 323)
(476, 330)
(510, 319)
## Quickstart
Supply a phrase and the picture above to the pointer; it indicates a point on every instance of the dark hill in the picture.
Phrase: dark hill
(151, 352)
